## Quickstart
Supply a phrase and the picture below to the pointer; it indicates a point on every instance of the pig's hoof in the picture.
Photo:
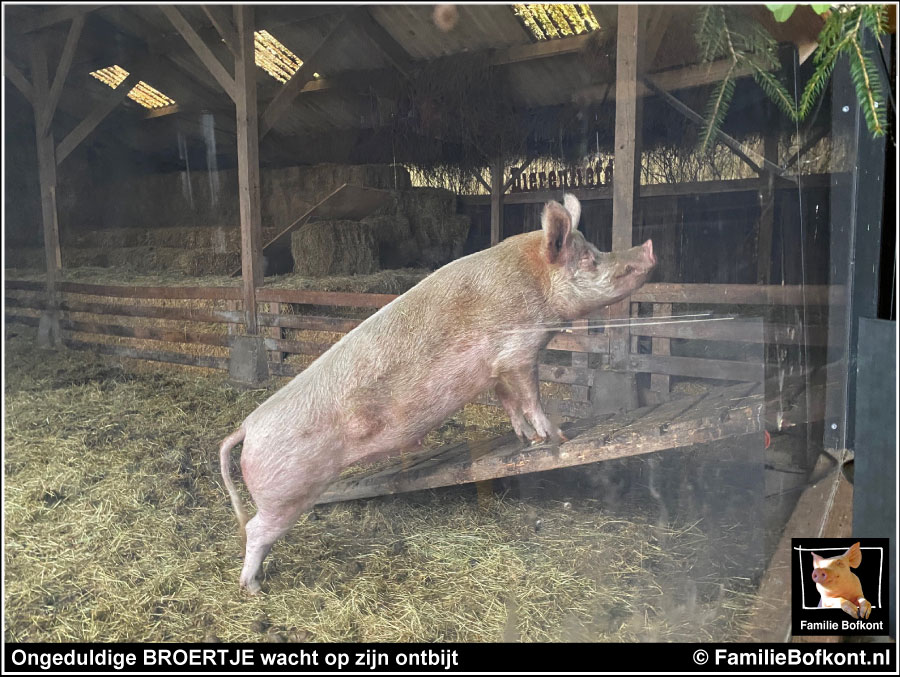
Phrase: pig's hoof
(251, 588)
(850, 608)
(864, 608)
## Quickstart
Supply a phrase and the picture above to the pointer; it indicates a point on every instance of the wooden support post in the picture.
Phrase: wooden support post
(248, 162)
(626, 179)
(49, 336)
(766, 213)
(660, 383)
(275, 332)
(496, 200)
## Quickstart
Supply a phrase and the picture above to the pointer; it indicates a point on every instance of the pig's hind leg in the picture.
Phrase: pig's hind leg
(268, 525)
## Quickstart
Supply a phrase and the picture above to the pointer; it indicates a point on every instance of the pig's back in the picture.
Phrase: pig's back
(424, 354)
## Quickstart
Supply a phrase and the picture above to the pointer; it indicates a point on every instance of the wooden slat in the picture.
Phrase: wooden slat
(301, 347)
(62, 72)
(560, 374)
(135, 292)
(324, 298)
(741, 331)
(580, 342)
(25, 285)
(283, 369)
(152, 355)
(697, 367)
(310, 322)
(145, 332)
(200, 48)
(186, 314)
(741, 294)
(21, 319)
(659, 346)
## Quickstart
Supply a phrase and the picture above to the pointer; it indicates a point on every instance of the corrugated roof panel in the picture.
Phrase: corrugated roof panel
(477, 27)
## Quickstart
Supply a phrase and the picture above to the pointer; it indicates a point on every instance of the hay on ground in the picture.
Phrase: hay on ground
(118, 529)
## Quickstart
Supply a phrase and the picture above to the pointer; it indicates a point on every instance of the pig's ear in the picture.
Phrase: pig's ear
(816, 559)
(557, 225)
(853, 555)
(573, 206)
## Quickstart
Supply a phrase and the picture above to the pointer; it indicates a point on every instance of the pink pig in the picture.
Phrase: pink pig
(476, 324)
(839, 586)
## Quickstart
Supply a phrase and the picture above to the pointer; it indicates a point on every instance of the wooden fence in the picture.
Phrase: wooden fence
(592, 348)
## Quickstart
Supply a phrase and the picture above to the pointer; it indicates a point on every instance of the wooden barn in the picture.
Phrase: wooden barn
(230, 190)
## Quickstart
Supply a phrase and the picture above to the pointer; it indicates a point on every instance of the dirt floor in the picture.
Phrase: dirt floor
(117, 528)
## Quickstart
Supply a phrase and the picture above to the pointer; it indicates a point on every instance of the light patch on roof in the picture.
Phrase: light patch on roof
(547, 21)
(141, 93)
(274, 58)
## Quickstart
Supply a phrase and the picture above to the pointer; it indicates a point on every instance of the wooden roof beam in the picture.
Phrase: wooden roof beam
(54, 16)
(201, 49)
(286, 95)
(224, 26)
(390, 48)
(45, 115)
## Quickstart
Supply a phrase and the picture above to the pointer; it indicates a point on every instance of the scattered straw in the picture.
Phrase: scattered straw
(118, 529)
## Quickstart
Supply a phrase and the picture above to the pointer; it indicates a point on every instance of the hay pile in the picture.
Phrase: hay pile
(415, 227)
(118, 529)
(334, 248)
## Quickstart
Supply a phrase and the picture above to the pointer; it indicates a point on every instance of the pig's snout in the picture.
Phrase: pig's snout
(648, 252)
(820, 576)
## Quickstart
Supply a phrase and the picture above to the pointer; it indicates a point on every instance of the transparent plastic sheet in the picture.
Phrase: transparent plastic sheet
(701, 411)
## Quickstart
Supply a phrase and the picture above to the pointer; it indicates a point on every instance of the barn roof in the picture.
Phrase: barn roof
(366, 59)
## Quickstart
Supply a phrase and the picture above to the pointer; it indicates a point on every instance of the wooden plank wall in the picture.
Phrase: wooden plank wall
(96, 313)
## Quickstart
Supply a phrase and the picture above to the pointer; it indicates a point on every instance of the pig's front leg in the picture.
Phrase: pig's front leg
(514, 409)
(865, 608)
(848, 606)
(522, 385)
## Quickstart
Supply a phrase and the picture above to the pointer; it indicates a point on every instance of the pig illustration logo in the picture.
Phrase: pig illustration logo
(838, 585)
